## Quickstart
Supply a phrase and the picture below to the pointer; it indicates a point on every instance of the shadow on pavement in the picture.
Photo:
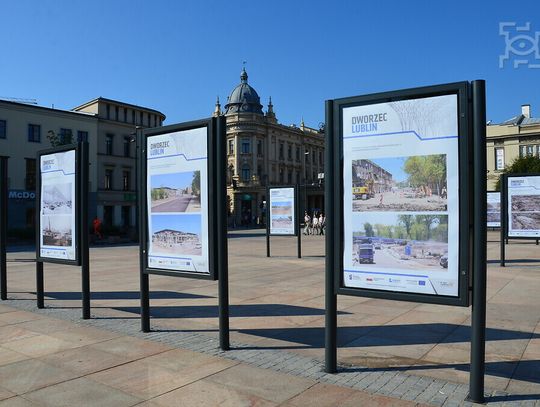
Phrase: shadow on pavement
(235, 311)
(122, 295)
(385, 335)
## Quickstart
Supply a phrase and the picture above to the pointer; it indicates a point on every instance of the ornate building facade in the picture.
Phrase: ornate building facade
(263, 153)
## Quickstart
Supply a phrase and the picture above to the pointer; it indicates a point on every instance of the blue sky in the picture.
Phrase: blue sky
(394, 165)
(182, 223)
(177, 57)
(177, 180)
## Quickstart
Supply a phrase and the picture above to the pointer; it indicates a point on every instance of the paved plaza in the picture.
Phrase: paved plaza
(390, 352)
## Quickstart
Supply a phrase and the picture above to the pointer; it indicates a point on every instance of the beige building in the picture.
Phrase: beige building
(516, 137)
(107, 125)
(262, 153)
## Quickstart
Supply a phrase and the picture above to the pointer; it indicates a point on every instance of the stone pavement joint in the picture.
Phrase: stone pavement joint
(388, 383)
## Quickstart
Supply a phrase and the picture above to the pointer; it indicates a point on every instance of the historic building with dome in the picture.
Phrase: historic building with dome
(263, 153)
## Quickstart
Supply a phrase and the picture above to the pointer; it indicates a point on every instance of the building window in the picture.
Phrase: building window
(259, 148)
(109, 144)
(306, 154)
(66, 136)
(133, 116)
(116, 113)
(499, 158)
(289, 177)
(246, 148)
(321, 159)
(289, 152)
(109, 179)
(30, 180)
(231, 147)
(82, 135)
(34, 133)
(149, 119)
(314, 157)
(281, 151)
(126, 216)
(155, 120)
(125, 114)
(281, 175)
(125, 180)
(298, 177)
(528, 150)
(108, 212)
(127, 143)
(298, 153)
(141, 118)
(3, 127)
(246, 173)
(108, 109)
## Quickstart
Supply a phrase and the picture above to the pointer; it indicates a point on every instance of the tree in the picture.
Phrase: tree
(521, 165)
(369, 229)
(427, 170)
(407, 221)
(196, 183)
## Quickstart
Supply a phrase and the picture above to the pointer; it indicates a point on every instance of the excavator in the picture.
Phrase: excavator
(363, 189)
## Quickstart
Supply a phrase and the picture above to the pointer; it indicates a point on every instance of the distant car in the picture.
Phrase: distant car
(377, 246)
(444, 261)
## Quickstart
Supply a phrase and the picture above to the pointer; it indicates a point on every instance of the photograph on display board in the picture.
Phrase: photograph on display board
(57, 230)
(400, 242)
(282, 222)
(525, 220)
(176, 234)
(524, 206)
(494, 208)
(56, 199)
(402, 184)
(176, 192)
(282, 208)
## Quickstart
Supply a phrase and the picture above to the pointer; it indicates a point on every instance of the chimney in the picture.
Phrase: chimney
(526, 111)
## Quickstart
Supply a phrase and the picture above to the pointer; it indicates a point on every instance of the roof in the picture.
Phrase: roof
(118, 102)
(521, 120)
(50, 109)
(243, 98)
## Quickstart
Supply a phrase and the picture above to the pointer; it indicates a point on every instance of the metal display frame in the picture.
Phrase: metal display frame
(296, 219)
(212, 233)
(82, 257)
(461, 91)
(3, 225)
(504, 218)
(472, 269)
(217, 219)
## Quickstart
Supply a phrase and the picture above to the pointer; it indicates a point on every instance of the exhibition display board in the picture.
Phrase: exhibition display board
(404, 179)
(405, 200)
(281, 211)
(62, 215)
(178, 204)
(282, 215)
(182, 209)
(494, 209)
(58, 220)
(522, 206)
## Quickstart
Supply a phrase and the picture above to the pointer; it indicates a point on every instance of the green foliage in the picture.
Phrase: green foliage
(521, 165)
(427, 170)
(369, 229)
(196, 183)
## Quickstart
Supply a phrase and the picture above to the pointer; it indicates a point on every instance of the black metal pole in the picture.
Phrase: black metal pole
(268, 223)
(40, 294)
(504, 212)
(84, 229)
(478, 320)
(141, 211)
(297, 220)
(330, 296)
(222, 250)
(3, 226)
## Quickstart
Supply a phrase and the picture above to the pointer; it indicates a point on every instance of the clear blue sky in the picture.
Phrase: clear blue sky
(177, 56)
(182, 223)
(177, 180)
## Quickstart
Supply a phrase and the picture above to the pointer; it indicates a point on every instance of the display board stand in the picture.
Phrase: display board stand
(217, 218)
(504, 220)
(469, 263)
(3, 225)
(83, 258)
(296, 221)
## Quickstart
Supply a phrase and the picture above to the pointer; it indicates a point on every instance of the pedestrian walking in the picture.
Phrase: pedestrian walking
(322, 223)
(307, 223)
(315, 224)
